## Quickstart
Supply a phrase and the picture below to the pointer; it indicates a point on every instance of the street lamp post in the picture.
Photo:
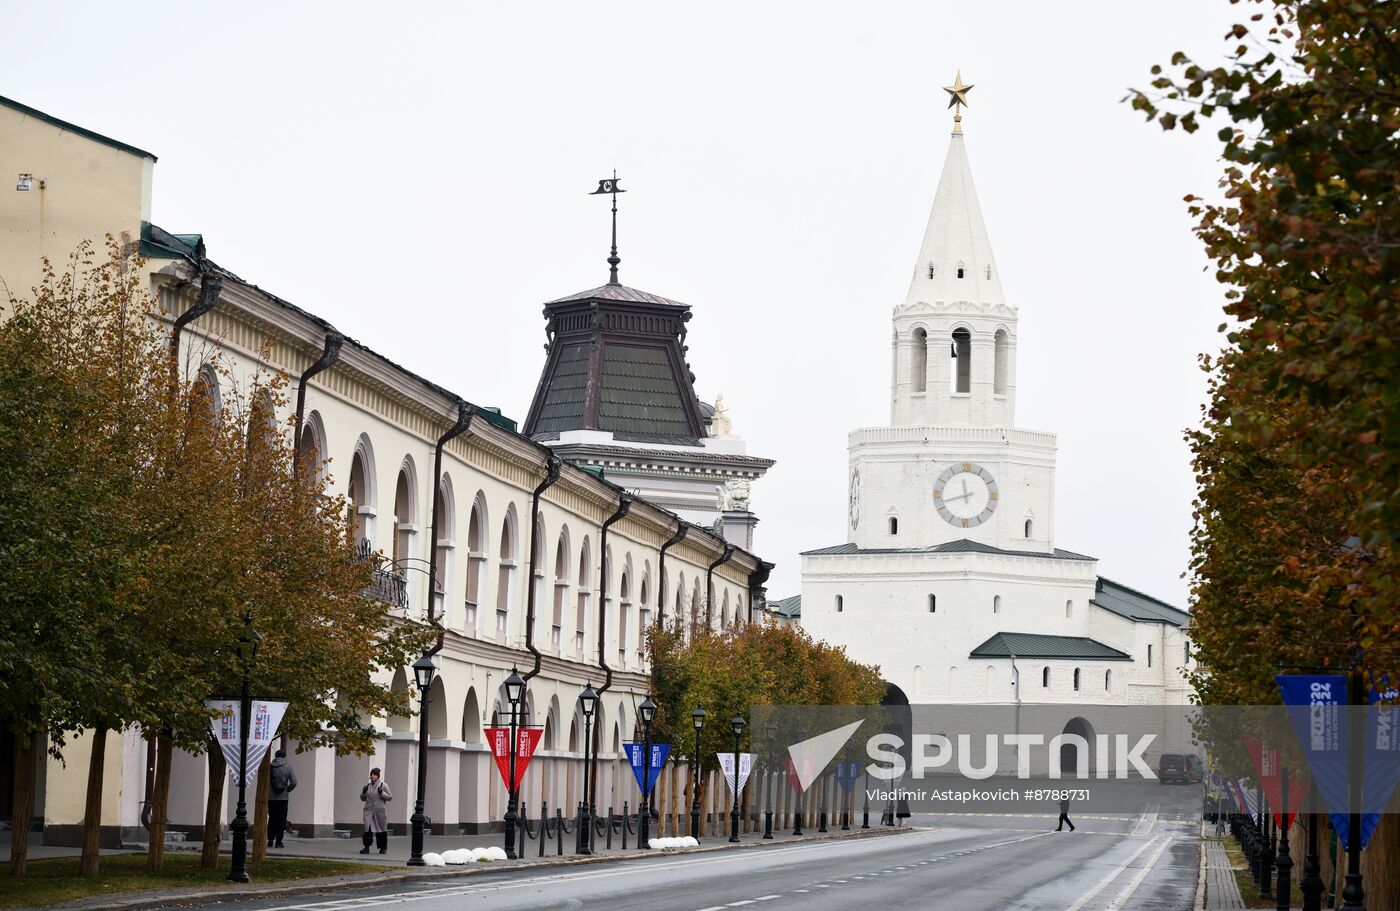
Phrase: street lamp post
(771, 729)
(736, 724)
(423, 672)
(797, 817)
(697, 718)
(248, 643)
(647, 711)
(515, 688)
(587, 702)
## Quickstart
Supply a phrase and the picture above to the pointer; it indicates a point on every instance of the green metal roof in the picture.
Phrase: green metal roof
(1134, 605)
(74, 128)
(1033, 645)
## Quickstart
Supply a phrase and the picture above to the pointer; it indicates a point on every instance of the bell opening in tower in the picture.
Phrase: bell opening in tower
(962, 361)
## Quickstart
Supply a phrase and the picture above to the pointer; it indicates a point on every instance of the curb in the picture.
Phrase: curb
(145, 901)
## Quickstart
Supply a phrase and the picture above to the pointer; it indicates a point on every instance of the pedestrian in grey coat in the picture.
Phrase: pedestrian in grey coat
(280, 786)
(376, 796)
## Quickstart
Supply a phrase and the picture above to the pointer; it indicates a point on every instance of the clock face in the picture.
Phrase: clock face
(965, 495)
(855, 497)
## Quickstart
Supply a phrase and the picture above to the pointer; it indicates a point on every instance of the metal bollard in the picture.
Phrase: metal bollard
(544, 825)
(608, 843)
(624, 825)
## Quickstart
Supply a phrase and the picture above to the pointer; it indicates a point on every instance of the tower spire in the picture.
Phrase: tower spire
(605, 186)
(957, 100)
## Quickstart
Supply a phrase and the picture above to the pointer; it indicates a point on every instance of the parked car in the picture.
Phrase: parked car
(1195, 769)
(1173, 767)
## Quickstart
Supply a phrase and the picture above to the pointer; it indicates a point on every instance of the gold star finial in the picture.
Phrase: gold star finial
(957, 98)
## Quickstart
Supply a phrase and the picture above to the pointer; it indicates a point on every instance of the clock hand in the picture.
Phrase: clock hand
(966, 493)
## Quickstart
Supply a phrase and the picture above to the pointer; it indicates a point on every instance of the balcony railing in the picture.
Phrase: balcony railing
(386, 584)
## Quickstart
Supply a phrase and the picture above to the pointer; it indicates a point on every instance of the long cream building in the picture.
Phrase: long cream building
(378, 423)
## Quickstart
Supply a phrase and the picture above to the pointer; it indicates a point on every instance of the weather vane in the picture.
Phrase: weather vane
(957, 99)
(605, 186)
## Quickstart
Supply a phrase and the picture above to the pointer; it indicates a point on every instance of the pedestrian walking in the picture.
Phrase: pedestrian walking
(280, 787)
(376, 796)
(1064, 816)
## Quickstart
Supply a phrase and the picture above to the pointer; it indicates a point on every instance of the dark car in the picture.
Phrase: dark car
(1173, 767)
(1195, 769)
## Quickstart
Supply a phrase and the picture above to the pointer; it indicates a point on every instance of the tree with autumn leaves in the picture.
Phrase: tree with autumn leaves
(139, 524)
(728, 671)
(1299, 509)
(1298, 513)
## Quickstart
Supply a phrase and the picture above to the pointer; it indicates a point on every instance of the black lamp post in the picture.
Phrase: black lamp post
(647, 711)
(1353, 891)
(771, 729)
(423, 672)
(515, 689)
(736, 724)
(697, 718)
(587, 703)
(797, 817)
(248, 642)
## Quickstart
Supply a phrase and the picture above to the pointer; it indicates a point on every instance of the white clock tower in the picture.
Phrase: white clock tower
(950, 579)
(952, 465)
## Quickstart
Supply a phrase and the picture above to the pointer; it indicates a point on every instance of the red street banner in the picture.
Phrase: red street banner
(526, 740)
(1267, 765)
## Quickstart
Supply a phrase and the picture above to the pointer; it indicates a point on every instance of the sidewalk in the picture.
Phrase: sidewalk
(396, 871)
(1218, 888)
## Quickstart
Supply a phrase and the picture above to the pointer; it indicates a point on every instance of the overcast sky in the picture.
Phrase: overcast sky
(418, 176)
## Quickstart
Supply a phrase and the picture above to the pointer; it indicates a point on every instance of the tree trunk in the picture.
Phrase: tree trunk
(214, 806)
(160, 804)
(92, 816)
(264, 790)
(22, 812)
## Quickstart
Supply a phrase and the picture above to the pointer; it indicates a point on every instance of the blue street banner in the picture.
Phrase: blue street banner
(1321, 724)
(847, 773)
(659, 752)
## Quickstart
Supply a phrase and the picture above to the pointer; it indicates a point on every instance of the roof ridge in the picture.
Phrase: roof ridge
(75, 128)
(1143, 594)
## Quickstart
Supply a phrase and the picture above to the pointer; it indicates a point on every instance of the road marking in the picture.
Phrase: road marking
(1118, 871)
(1142, 874)
(747, 901)
(766, 898)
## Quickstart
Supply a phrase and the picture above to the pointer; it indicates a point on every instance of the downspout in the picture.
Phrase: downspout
(1016, 684)
(210, 284)
(552, 467)
(465, 413)
(710, 586)
(624, 504)
(329, 355)
(682, 530)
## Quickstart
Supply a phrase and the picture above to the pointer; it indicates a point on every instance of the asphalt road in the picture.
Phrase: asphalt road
(1011, 863)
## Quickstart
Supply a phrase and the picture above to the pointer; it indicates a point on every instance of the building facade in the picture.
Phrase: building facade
(950, 579)
(375, 425)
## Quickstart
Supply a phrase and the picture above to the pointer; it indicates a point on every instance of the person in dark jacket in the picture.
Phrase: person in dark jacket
(280, 788)
(1064, 816)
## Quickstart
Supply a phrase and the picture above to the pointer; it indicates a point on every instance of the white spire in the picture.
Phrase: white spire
(956, 237)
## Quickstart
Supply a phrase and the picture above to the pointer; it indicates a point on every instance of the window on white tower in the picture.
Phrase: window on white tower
(1149, 656)
(1069, 609)
(918, 370)
(962, 360)
(1000, 356)
(840, 604)
(894, 525)
(960, 270)
(932, 604)
(996, 604)
(1076, 678)
(1029, 525)
(1045, 677)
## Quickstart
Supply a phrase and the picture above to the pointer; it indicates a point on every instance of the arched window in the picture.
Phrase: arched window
(1076, 679)
(1029, 525)
(360, 508)
(1000, 356)
(932, 604)
(204, 395)
(1107, 677)
(840, 604)
(476, 562)
(1149, 655)
(918, 371)
(1069, 609)
(405, 525)
(584, 589)
(561, 591)
(960, 270)
(988, 273)
(624, 607)
(442, 553)
(962, 360)
(1045, 677)
(894, 525)
(643, 613)
(996, 604)
(505, 581)
(932, 269)
(311, 451)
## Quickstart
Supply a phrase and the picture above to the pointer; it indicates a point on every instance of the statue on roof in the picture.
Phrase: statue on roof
(720, 423)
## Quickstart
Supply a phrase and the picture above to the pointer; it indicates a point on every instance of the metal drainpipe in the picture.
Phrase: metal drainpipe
(465, 413)
(624, 504)
(682, 530)
(710, 586)
(552, 468)
(210, 284)
(329, 355)
(756, 579)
